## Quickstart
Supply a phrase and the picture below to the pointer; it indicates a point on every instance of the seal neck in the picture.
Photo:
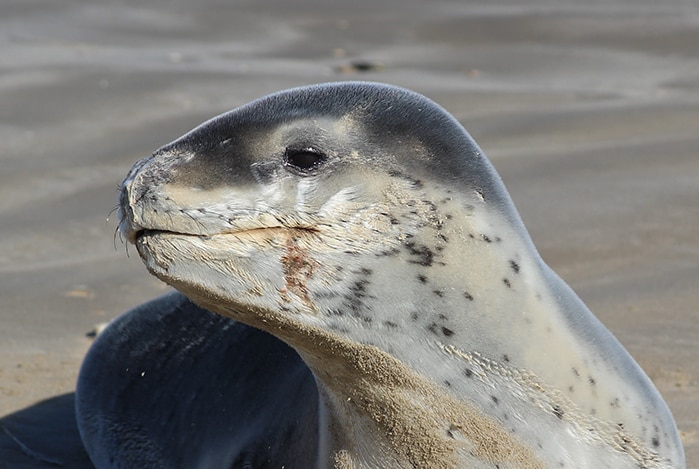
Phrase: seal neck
(378, 412)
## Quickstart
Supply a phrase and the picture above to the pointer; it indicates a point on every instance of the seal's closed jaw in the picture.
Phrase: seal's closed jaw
(171, 192)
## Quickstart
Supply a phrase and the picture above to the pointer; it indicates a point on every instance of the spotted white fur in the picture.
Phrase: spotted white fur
(425, 273)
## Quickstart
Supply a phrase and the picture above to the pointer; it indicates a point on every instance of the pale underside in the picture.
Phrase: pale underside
(383, 413)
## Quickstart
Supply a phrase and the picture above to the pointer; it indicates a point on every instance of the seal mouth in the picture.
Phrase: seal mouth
(147, 232)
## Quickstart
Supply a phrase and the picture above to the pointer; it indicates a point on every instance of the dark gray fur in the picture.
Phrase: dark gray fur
(177, 376)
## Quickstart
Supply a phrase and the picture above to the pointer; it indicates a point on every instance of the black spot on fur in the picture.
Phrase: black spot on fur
(354, 298)
(468, 373)
(431, 205)
(358, 288)
(432, 328)
(514, 266)
(422, 278)
(414, 315)
(591, 380)
(486, 238)
(447, 332)
(507, 283)
(388, 253)
(468, 296)
(443, 237)
(415, 182)
(393, 220)
(576, 372)
(327, 294)
(447, 383)
(439, 293)
(655, 441)
(353, 304)
(424, 254)
(495, 399)
(390, 324)
(558, 412)
(506, 358)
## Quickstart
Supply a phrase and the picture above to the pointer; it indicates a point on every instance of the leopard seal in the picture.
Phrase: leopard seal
(355, 290)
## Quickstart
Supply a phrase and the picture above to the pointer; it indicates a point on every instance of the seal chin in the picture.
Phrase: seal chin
(174, 256)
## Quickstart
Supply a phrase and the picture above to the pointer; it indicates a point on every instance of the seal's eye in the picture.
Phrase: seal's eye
(304, 160)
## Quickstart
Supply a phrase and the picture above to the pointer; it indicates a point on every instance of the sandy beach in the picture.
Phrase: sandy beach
(589, 111)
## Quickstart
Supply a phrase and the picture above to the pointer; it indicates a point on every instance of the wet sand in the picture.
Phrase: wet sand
(590, 114)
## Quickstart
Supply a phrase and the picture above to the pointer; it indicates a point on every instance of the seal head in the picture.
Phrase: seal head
(362, 225)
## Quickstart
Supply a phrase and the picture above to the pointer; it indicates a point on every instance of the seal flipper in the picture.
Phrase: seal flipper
(170, 384)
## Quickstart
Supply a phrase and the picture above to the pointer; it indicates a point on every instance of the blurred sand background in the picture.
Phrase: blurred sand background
(589, 111)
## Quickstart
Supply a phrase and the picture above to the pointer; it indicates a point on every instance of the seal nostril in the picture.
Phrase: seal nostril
(304, 159)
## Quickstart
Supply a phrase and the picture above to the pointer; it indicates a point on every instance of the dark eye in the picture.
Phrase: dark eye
(305, 160)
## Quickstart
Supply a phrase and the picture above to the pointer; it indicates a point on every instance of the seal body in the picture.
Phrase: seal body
(361, 225)
(170, 384)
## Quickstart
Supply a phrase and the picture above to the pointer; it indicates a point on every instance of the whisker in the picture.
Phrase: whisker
(117, 232)
(112, 211)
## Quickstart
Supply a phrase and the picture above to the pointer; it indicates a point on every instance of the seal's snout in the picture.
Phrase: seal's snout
(129, 227)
